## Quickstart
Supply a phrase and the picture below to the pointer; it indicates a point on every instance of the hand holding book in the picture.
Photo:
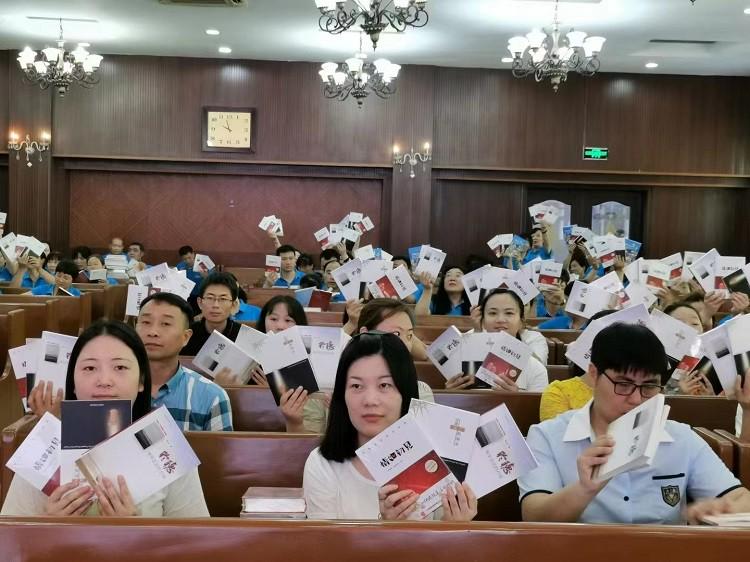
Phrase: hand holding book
(590, 461)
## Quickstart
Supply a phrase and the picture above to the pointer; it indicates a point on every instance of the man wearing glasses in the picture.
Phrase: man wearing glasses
(628, 366)
(215, 298)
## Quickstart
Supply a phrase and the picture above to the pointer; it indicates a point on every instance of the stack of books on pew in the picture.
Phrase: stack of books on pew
(273, 503)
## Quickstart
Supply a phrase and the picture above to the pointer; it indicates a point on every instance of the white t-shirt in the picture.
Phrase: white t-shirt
(538, 344)
(336, 490)
(182, 498)
(534, 377)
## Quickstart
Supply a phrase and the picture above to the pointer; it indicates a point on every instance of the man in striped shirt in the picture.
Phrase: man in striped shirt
(195, 402)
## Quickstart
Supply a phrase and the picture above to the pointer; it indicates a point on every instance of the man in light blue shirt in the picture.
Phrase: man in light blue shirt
(628, 365)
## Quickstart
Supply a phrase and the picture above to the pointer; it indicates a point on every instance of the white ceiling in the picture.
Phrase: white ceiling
(462, 33)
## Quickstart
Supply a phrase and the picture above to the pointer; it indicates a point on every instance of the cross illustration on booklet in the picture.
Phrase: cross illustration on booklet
(458, 429)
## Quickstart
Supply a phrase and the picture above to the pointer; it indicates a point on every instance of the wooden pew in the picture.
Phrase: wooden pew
(108, 301)
(325, 318)
(73, 313)
(38, 316)
(259, 297)
(463, 323)
(741, 454)
(12, 334)
(248, 277)
(197, 540)
(565, 336)
(428, 373)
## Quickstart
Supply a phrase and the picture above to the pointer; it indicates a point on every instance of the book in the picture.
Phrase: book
(97, 275)
(508, 357)
(676, 336)
(727, 520)
(704, 269)
(320, 300)
(737, 281)
(451, 432)
(604, 250)
(322, 236)
(500, 453)
(725, 266)
(674, 262)
(717, 348)
(403, 455)
(116, 261)
(271, 224)
(396, 283)
(738, 332)
(474, 350)
(203, 263)
(85, 424)
(372, 270)
(414, 255)
(430, 261)
(348, 279)
(150, 454)
(365, 253)
(544, 213)
(492, 278)
(639, 294)
(324, 346)
(381, 254)
(37, 458)
(499, 243)
(531, 269)
(636, 435)
(219, 352)
(303, 296)
(445, 352)
(52, 362)
(472, 285)
(8, 248)
(610, 283)
(521, 285)
(632, 249)
(586, 300)
(273, 503)
(659, 275)
(273, 264)
(25, 362)
(251, 341)
(287, 364)
(136, 295)
(549, 274)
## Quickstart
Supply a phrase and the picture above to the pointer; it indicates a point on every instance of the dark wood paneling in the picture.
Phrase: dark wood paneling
(4, 96)
(3, 182)
(216, 214)
(465, 215)
(697, 220)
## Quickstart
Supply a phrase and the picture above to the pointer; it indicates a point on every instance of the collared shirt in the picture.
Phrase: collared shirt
(247, 313)
(201, 335)
(5, 275)
(194, 276)
(534, 253)
(281, 282)
(684, 467)
(559, 322)
(196, 403)
(50, 290)
(454, 311)
(29, 284)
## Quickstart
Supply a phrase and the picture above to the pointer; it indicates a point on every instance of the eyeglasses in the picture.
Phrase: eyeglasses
(210, 299)
(628, 388)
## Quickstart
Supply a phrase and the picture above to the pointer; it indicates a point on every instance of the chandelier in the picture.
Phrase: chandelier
(375, 14)
(553, 54)
(28, 146)
(59, 68)
(357, 78)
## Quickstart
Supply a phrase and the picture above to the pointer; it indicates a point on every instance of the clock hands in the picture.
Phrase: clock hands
(227, 127)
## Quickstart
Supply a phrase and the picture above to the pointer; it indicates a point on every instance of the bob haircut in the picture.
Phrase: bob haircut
(127, 335)
(340, 439)
(629, 348)
(293, 307)
(378, 310)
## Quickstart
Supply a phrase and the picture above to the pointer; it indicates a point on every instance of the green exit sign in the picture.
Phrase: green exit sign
(595, 153)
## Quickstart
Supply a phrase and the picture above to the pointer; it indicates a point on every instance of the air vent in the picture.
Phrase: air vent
(206, 3)
(682, 42)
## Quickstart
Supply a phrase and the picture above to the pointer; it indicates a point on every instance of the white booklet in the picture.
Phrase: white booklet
(8, 248)
(610, 283)
(728, 520)
(445, 352)
(508, 357)
(52, 361)
(658, 275)
(717, 348)
(472, 283)
(365, 253)
(636, 435)
(273, 264)
(150, 454)
(324, 346)
(397, 283)
(704, 269)
(498, 243)
(549, 274)
(136, 295)
(637, 294)
(500, 453)
(348, 279)
(475, 347)
(403, 455)
(251, 341)
(521, 285)
(738, 331)
(451, 432)
(676, 336)
(25, 362)
(323, 236)
(586, 300)
(37, 459)
(203, 263)
(674, 262)
(219, 352)
(430, 261)
(725, 266)
(287, 364)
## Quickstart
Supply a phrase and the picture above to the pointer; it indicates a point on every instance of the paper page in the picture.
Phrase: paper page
(348, 279)
(37, 459)
(445, 352)
(54, 354)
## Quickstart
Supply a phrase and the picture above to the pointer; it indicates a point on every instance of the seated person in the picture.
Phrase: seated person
(695, 383)
(244, 312)
(502, 311)
(313, 279)
(65, 272)
(216, 296)
(628, 366)
(550, 303)
(335, 253)
(108, 359)
(289, 276)
(50, 262)
(450, 300)
(80, 256)
(305, 414)
(305, 263)
(567, 320)
(329, 284)
(187, 261)
(136, 256)
(375, 383)
(568, 394)
(116, 248)
(96, 263)
(30, 273)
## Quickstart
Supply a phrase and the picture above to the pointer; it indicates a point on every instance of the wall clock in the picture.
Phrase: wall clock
(228, 129)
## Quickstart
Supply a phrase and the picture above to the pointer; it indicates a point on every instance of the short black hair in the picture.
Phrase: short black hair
(140, 246)
(83, 251)
(329, 254)
(502, 291)
(285, 249)
(67, 266)
(629, 348)
(340, 439)
(304, 260)
(403, 259)
(174, 300)
(128, 336)
(185, 250)
(292, 305)
(220, 278)
(310, 280)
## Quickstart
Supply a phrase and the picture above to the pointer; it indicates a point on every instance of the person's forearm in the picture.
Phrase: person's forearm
(564, 506)
(422, 308)
(17, 277)
(47, 276)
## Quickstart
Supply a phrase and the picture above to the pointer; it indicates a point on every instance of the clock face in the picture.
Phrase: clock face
(228, 129)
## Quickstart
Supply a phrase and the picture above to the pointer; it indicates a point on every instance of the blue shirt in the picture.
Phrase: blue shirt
(50, 289)
(455, 311)
(195, 402)
(5, 275)
(684, 466)
(534, 253)
(418, 293)
(559, 322)
(194, 276)
(27, 283)
(247, 313)
(281, 282)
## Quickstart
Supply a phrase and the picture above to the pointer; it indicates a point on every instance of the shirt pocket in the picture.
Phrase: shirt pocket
(668, 495)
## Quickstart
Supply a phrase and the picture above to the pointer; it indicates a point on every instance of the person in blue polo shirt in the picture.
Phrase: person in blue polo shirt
(65, 273)
(187, 261)
(30, 273)
(628, 366)
(289, 276)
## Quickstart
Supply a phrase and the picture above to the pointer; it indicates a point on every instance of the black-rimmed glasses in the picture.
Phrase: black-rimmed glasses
(627, 388)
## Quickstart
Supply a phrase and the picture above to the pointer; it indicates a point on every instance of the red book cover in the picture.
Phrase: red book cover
(500, 366)
(320, 299)
(385, 285)
(423, 474)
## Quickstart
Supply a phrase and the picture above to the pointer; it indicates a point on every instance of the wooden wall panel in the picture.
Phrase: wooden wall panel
(216, 214)
(465, 215)
(697, 220)
(4, 97)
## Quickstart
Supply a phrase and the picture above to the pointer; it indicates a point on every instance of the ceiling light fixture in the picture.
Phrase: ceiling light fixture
(335, 18)
(357, 78)
(59, 68)
(506, 60)
(225, 50)
(551, 54)
(213, 32)
(652, 65)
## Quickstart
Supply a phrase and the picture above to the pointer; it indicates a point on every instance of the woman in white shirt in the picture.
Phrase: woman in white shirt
(375, 382)
(502, 311)
(108, 362)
